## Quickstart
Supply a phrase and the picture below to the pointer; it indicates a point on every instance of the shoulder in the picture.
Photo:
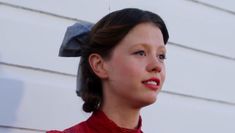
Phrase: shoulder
(81, 127)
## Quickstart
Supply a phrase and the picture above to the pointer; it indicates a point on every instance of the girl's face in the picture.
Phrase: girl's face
(136, 69)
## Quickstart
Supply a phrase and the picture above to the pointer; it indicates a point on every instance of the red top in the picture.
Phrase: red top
(99, 123)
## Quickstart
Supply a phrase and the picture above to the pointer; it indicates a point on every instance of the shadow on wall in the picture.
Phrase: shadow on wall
(10, 97)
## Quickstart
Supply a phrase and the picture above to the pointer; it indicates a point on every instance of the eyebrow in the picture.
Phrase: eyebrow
(146, 46)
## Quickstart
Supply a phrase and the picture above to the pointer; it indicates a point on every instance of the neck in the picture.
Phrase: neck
(124, 117)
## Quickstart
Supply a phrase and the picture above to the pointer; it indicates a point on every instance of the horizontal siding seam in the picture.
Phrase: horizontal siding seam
(213, 6)
(199, 98)
(37, 69)
(202, 51)
(40, 11)
(22, 128)
(109, 8)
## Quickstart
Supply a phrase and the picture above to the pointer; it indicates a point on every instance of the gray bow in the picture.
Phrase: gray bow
(73, 38)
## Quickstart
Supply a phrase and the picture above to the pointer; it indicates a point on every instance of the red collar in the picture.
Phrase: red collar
(102, 124)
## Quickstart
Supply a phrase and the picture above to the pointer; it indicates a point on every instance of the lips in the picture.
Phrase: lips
(152, 83)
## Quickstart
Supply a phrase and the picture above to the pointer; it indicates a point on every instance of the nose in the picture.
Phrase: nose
(154, 66)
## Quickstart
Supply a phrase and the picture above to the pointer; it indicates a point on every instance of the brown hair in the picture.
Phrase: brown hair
(103, 38)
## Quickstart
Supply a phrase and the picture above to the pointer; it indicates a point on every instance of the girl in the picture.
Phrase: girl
(121, 69)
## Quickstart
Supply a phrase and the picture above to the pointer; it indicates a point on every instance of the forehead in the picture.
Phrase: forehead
(144, 33)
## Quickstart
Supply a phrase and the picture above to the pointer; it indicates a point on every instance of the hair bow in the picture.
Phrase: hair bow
(74, 37)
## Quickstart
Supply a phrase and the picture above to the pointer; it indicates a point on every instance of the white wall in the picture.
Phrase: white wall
(37, 88)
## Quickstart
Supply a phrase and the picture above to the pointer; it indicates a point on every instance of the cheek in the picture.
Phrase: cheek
(125, 71)
(128, 68)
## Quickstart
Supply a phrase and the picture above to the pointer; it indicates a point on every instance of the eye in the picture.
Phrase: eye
(140, 53)
(162, 57)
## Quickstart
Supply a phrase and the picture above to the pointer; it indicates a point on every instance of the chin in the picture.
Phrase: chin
(151, 98)
(146, 102)
(150, 101)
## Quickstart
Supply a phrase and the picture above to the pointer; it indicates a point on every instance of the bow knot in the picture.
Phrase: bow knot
(75, 36)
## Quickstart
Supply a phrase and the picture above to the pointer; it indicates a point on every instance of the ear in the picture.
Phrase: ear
(98, 65)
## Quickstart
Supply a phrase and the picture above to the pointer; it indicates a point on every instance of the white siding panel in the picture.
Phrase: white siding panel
(191, 24)
(176, 114)
(33, 39)
(89, 10)
(198, 74)
(38, 100)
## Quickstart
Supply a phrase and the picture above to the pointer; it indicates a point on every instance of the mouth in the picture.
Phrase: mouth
(152, 83)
